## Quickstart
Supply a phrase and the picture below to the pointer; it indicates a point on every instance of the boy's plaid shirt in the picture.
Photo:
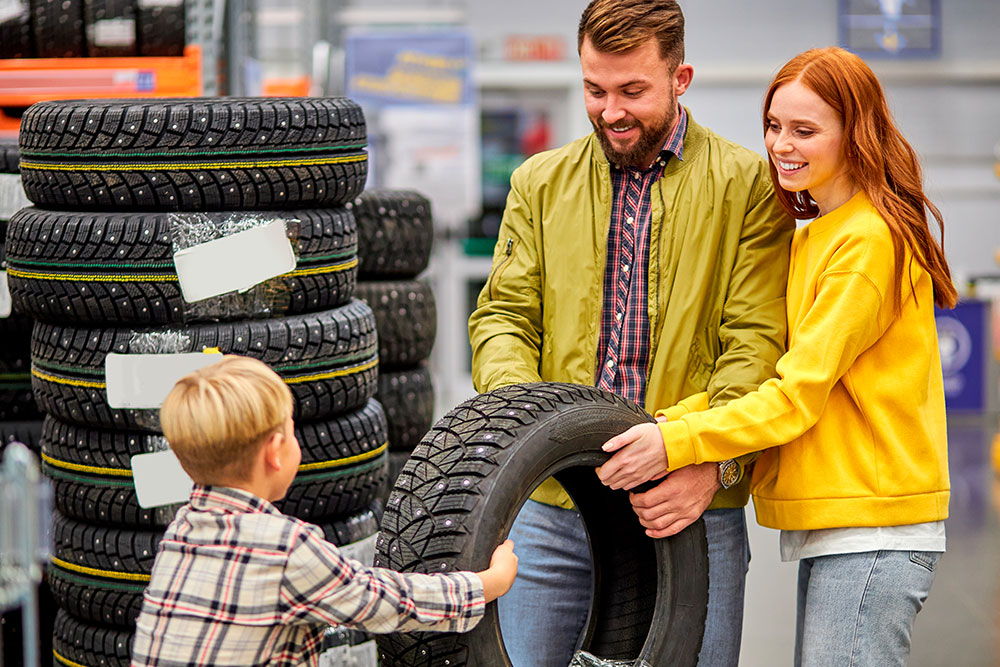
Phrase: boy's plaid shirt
(236, 582)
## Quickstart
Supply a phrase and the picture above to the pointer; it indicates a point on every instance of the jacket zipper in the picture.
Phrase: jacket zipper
(509, 252)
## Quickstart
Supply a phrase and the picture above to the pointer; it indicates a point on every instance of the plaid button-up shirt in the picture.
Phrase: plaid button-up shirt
(236, 582)
(623, 348)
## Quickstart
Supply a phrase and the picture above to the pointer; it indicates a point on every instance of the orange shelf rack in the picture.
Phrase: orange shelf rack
(24, 81)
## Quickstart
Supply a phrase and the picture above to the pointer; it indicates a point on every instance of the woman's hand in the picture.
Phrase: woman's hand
(639, 456)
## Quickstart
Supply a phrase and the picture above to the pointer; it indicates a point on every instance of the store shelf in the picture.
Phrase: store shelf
(28, 80)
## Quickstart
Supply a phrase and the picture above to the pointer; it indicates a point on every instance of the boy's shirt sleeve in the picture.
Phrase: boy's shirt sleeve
(321, 585)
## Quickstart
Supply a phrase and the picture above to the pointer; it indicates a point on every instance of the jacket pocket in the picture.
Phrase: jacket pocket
(502, 266)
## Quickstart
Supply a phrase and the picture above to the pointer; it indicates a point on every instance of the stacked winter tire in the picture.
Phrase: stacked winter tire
(395, 234)
(119, 187)
(95, 28)
(20, 418)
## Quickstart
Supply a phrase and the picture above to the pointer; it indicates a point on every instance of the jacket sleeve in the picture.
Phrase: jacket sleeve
(754, 326)
(505, 330)
(753, 329)
(846, 318)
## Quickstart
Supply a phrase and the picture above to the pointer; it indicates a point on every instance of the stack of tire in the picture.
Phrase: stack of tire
(395, 235)
(20, 419)
(94, 28)
(118, 187)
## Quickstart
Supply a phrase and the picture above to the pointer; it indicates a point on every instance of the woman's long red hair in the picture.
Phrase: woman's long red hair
(880, 161)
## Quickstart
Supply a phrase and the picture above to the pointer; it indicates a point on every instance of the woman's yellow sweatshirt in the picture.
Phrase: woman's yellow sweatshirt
(858, 404)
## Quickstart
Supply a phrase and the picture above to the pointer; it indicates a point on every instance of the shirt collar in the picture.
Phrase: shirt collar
(228, 499)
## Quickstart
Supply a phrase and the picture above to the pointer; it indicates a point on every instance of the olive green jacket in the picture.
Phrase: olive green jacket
(717, 271)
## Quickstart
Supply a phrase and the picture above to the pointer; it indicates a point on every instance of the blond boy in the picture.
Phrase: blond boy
(235, 582)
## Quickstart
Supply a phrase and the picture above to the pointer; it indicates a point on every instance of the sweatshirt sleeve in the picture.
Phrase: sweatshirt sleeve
(845, 319)
(322, 586)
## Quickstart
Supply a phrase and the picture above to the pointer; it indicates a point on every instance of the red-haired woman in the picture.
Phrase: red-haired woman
(855, 467)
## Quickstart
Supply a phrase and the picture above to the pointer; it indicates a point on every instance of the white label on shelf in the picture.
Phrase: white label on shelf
(143, 4)
(4, 295)
(113, 32)
(11, 8)
(337, 656)
(234, 263)
(362, 550)
(365, 654)
(144, 380)
(159, 479)
(12, 196)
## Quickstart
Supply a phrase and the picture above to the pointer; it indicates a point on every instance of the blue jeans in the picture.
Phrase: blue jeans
(543, 615)
(858, 609)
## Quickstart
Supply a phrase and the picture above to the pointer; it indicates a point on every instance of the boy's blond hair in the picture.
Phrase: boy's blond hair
(217, 418)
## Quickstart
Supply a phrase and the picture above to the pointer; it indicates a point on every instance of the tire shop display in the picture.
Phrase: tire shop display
(20, 418)
(199, 154)
(395, 235)
(102, 261)
(456, 499)
(91, 28)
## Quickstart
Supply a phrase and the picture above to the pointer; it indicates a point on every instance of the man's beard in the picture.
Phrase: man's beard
(650, 139)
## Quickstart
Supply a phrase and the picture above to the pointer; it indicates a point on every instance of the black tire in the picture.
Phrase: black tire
(343, 465)
(198, 154)
(17, 402)
(457, 497)
(10, 156)
(28, 433)
(406, 317)
(98, 573)
(12, 636)
(15, 33)
(118, 267)
(75, 644)
(395, 233)
(328, 359)
(161, 30)
(120, 41)
(58, 28)
(407, 395)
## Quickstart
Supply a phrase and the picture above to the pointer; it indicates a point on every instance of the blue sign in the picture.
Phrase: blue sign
(963, 344)
(891, 28)
(409, 68)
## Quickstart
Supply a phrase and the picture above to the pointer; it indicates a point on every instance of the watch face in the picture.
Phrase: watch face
(730, 473)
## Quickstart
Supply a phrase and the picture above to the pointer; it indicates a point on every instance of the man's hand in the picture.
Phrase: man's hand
(677, 501)
(639, 457)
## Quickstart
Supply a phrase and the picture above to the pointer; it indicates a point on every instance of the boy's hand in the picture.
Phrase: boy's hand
(498, 579)
(640, 456)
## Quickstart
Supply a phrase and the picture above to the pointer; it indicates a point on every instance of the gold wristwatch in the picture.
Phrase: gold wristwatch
(729, 473)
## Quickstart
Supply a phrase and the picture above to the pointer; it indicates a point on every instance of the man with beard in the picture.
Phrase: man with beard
(648, 258)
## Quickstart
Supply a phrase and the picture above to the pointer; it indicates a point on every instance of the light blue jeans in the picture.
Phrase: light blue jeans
(543, 615)
(856, 610)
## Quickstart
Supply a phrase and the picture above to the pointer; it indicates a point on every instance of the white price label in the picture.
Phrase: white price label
(362, 551)
(365, 654)
(4, 295)
(12, 197)
(144, 380)
(159, 479)
(113, 32)
(234, 263)
(144, 4)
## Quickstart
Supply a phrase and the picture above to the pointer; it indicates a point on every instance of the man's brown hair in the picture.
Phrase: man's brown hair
(616, 26)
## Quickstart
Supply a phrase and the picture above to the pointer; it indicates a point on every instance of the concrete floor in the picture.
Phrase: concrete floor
(960, 623)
